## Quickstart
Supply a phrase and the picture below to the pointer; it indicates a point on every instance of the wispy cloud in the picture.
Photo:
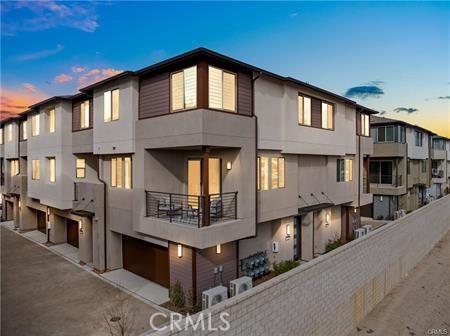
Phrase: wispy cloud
(63, 78)
(39, 54)
(439, 98)
(95, 75)
(42, 15)
(295, 14)
(408, 110)
(78, 69)
(17, 100)
(382, 113)
(371, 90)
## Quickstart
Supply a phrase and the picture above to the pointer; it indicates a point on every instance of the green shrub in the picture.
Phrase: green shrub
(176, 295)
(380, 217)
(333, 244)
(284, 266)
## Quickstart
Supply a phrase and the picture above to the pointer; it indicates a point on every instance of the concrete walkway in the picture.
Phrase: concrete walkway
(44, 294)
(418, 306)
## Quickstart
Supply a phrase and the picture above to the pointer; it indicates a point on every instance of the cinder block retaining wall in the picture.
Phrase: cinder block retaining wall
(331, 294)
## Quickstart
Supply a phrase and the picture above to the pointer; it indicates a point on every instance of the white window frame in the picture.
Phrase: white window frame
(223, 73)
(80, 166)
(344, 172)
(85, 115)
(14, 166)
(325, 117)
(304, 116)
(183, 89)
(109, 106)
(51, 169)
(51, 120)
(121, 172)
(24, 130)
(365, 125)
(9, 133)
(1, 136)
(35, 125)
(36, 169)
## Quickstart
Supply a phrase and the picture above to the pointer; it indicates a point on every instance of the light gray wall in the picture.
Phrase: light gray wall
(416, 152)
(11, 148)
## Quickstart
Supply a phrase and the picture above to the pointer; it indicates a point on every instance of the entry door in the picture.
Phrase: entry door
(195, 178)
(41, 221)
(72, 232)
(297, 237)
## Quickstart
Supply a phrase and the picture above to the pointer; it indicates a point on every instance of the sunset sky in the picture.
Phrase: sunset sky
(392, 57)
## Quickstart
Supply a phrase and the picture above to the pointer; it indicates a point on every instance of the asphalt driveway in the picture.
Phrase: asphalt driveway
(44, 294)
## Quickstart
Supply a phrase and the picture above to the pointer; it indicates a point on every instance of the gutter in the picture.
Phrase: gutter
(104, 207)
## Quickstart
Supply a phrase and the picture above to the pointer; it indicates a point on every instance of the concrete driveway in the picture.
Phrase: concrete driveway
(44, 294)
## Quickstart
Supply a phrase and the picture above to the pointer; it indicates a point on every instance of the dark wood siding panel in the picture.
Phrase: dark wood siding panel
(76, 116)
(245, 94)
(181, 268)
(358, 123)
(154, 96)
(207, 259)
(91, 113)
(316, 112)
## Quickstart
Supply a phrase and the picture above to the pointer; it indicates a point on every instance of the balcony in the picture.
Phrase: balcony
(86, 197)
(19, 185)
(194, 210)
(387, 184)
(393, 149)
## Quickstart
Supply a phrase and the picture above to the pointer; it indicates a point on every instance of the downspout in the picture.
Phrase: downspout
(100, 166)
(254, 78)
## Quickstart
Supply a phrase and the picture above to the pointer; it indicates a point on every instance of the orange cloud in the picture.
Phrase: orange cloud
(96, 75)
(78, 69)
(63, 78)
(14, 101)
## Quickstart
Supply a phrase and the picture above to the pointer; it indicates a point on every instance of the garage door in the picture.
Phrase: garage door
(41, 221)
(148, 260)
(72, 232)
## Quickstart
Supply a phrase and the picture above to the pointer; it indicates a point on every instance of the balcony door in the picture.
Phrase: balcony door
(195, 176)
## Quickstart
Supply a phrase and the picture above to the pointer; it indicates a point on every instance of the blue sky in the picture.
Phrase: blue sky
(392, 56)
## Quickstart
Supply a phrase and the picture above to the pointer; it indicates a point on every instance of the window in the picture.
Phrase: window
(1, 136)
(14, 167)
(52, 170)
(51, 120)
(84, 114)
(183, 89)
(80, 166)
(344, 170)
(35, 170)
(327, 116)
(9, 133)
(438, 144)
(424, 165)
(419, 138)
(121, 172)
(24, 126)
(264, 174)
(111, 101)
(277, 173)
(365, 125)
(391, 134)
(304, 110)
(408, 167)
(221, 89)
(35, 120)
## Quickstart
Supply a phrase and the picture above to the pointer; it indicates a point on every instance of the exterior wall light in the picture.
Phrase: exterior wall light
(229, 165)
(80, 227)
(19, 204)
(180, 250)
(218, 249)
(327, 219)
(355, 210)
(288, 231)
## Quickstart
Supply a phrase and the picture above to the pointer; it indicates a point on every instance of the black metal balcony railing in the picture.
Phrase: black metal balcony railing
(437, 173)
(386, 180)
(190, 209)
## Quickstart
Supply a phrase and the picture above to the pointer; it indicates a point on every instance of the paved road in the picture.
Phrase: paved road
(418, 306)
(44, 294)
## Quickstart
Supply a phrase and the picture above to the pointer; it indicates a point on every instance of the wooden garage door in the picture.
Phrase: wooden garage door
(41, 221)
(72, 232)
(148, 260)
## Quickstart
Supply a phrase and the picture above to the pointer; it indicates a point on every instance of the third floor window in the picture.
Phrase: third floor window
(84, 114)
(183, 89)
(9, 134)
(51, 120)
(221, 89)
(365, 125)
(111, 101)
(419, 138)
(304, 110)
(390, 133)
(327, 115)
(35, 127)
(24, 127)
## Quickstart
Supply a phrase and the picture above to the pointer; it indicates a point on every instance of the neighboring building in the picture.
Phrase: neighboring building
(400, 168)
(181, 170)
(440, 158)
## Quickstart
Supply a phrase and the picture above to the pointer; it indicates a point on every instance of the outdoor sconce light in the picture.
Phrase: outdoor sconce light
(229, 165)
(288, 231)
(48, 211)
(180, 250)
(327, 220)
(355, 210)
(218, 249)
(19, 205)
(80, 227)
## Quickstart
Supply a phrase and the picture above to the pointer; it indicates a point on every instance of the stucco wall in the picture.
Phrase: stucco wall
(331, 294)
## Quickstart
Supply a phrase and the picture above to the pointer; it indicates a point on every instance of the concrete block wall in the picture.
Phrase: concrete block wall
(331, 294)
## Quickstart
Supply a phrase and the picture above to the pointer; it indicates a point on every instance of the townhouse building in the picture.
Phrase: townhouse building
(440, 162)
(181, 170)
(400, 167)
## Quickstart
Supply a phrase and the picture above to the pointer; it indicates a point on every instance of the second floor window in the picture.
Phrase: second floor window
(35, 127)
(419, 139)
(51, 120)
(183, 89)
(84, 114)
(424, 165)
(111, 101)
(270, 172)
(121, 172)
(24, 126)
(35, 169)
(344, 170)
(9, 133)
(80, 168)
(52, 170)
(14, 167)
(439, 144)
(221, 89)
(327, 115)
(304, 110)
(365, 125)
